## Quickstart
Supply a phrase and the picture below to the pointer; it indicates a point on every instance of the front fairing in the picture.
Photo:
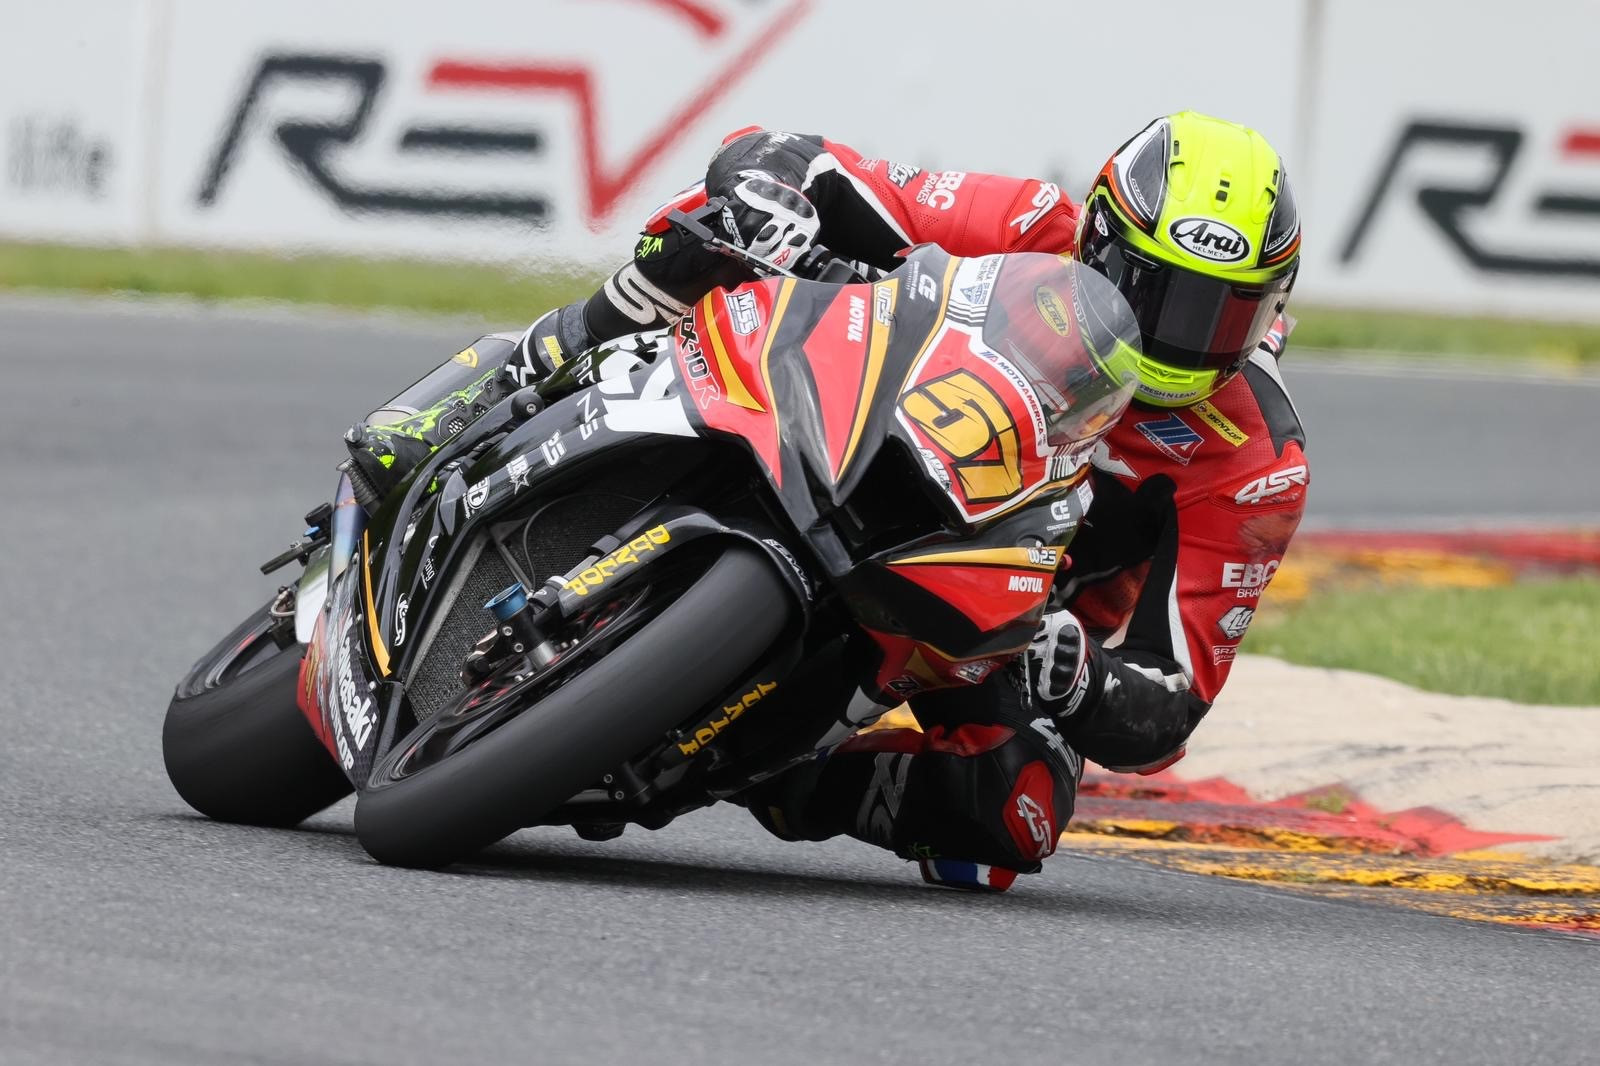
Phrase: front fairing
(851, 396)
(817, 380)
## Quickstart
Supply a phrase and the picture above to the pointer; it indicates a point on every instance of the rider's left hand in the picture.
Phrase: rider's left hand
(1058, 663)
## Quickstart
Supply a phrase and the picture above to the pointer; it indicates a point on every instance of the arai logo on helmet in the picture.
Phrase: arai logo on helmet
(1209, 239)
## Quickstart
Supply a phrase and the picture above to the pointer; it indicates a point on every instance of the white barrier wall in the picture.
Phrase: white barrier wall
(547, 130)
(1455, 156)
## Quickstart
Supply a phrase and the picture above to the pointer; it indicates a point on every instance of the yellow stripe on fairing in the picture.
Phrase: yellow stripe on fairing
(877, 348)
(1017, 557)
(379, 651)
(779, 306)
(738, 392)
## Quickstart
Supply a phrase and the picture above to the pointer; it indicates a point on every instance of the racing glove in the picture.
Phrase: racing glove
(1058, 664)
(769, 218)
(1129, 714)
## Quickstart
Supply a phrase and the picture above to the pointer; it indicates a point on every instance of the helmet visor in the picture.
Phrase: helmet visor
(1187, 319)
(1072, 336)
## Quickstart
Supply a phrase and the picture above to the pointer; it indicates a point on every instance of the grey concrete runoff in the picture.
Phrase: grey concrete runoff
(152, 460)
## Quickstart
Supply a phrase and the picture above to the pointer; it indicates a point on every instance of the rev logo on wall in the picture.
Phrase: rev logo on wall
(1462, 207)
(544, 154)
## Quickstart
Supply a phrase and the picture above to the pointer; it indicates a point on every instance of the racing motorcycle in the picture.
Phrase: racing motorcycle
(683, 563)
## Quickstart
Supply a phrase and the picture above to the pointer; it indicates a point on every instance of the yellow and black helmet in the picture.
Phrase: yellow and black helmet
(1194, 223)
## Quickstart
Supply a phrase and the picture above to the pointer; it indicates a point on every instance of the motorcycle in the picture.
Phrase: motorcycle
(686, 561)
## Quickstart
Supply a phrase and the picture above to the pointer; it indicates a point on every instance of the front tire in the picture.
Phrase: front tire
(676, 663)
(236, 746)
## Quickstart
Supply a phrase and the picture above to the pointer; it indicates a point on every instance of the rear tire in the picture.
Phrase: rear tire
(676, 663)
(237, 748)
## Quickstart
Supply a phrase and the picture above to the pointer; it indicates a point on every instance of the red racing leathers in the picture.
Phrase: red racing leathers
(1193, 507)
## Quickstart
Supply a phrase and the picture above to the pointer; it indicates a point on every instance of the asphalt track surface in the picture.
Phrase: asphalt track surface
(152, 460)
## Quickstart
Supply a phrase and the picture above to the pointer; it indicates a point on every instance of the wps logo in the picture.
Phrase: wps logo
(1456, 206)
(331, 114)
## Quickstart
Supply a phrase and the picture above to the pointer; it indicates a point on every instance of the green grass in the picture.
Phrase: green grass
(1537, 642)
(498, 292)
(1564, 344)
(493, 292)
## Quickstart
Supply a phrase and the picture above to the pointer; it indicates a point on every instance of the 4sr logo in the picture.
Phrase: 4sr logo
(1277, 483)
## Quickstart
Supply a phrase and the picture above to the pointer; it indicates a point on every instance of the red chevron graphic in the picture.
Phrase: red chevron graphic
(606, 184)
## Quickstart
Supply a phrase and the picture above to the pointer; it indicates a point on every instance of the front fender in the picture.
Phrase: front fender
(650, 537)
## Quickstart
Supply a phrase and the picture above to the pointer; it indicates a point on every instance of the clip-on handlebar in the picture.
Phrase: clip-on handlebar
(817, 264)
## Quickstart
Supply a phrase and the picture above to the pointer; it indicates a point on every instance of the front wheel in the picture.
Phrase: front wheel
(235, 744)
(674, 664)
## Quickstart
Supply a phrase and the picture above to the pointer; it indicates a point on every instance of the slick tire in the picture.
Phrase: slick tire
(690, 654)
(239, 750)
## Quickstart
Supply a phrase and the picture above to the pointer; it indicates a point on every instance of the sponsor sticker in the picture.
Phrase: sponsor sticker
(1235, 622)
(794, 564)
(939, 190)
(1030, 583)
(1248, 578)
(902, 173)
(1288, 480)
(1220, 422)
(355, 706)
(742, 309)
(856, 323)
(1172, 436)
(428, 572)
(401, 609)
(554, 451)
(1052, 310)
(628, 555)
(518, 469)
(476, 496)
(1044, 198)
(1210, 239)
(883, 304)
(974, 672)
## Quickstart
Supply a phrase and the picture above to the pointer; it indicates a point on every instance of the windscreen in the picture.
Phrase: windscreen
(1072, 334)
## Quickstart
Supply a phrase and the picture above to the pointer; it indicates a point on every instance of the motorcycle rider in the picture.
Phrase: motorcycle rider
(1198, 489)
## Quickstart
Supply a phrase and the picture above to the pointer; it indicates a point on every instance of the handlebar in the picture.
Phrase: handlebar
(817, 264)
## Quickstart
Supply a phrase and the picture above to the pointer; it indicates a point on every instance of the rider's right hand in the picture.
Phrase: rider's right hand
(773, 220)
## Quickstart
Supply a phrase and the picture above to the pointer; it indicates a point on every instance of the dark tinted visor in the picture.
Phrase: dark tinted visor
(1186, 319)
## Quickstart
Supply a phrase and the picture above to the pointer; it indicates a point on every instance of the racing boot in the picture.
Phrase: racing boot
(396, 438)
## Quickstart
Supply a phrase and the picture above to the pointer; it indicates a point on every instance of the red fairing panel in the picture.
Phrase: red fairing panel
(990, 596)
(911, 666)
(719, 351)
(307, 693)
(836, 352)
(688, 200)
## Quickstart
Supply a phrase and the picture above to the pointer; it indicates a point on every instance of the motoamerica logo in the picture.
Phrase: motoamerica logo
(324, 148)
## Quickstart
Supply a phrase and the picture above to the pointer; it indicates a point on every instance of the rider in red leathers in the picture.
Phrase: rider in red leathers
(1197, 490)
